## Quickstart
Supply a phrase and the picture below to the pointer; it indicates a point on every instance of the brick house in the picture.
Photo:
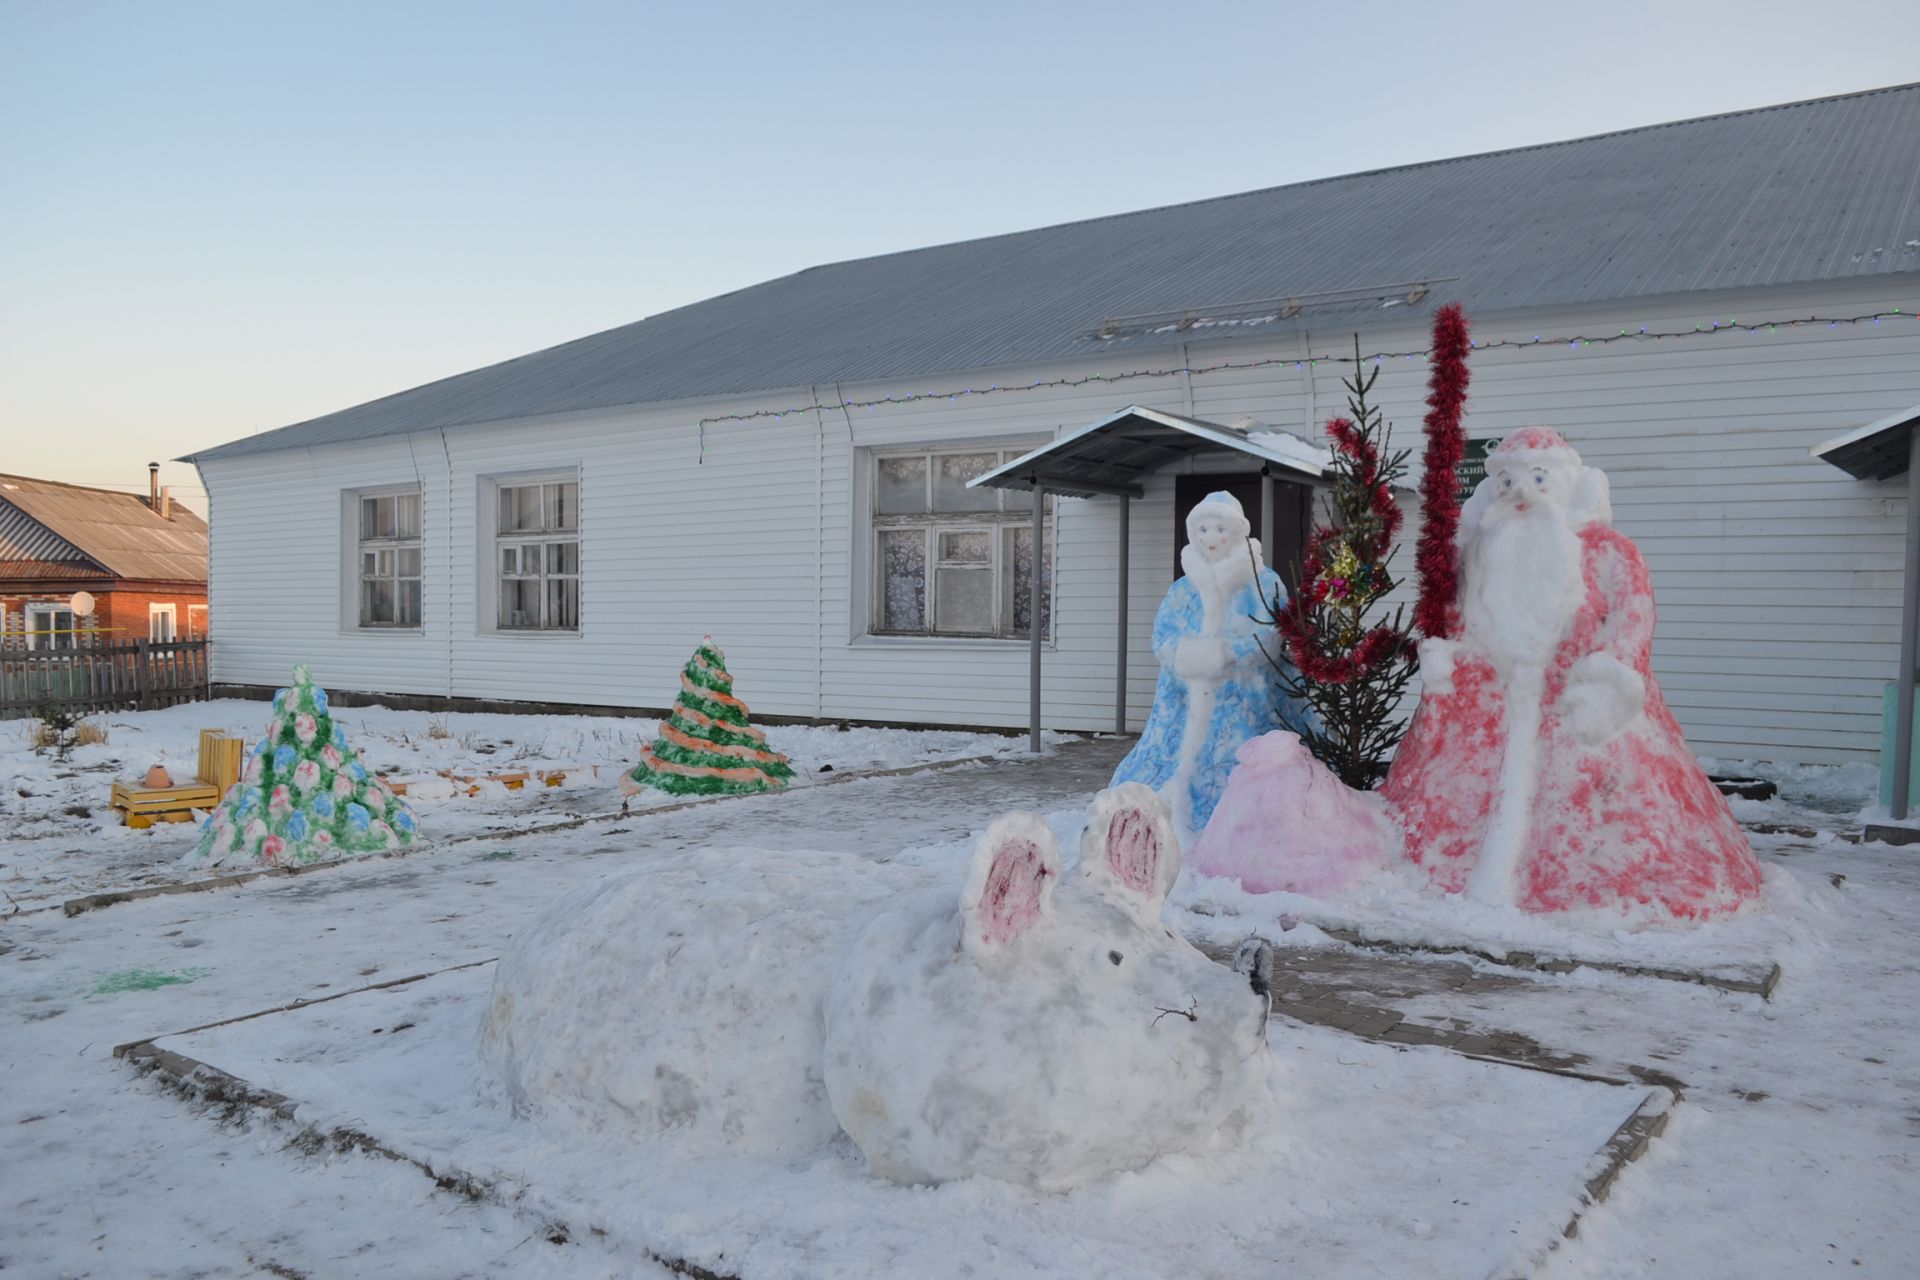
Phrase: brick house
(143, 561)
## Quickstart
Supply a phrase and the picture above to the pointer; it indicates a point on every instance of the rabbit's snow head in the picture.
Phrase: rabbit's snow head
(1044, 1033)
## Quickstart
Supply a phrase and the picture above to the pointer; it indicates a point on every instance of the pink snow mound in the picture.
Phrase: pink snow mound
(1623, 824)
(1286, 823)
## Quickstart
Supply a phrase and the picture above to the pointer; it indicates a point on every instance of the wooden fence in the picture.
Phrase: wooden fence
(102, 675)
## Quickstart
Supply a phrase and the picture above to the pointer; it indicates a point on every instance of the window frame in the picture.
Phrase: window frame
(548, 535)
(51, 610)
(362, 545)
(1011, 512)
(157, 610)
(199, 632)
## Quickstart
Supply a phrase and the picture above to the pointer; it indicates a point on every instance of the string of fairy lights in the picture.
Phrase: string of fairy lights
(1572, 342)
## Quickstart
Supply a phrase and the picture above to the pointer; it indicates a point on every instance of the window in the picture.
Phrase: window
(52, 626)
(196, 622)
(389, 555)
(954, 561)
(163, 622)
(537, 549)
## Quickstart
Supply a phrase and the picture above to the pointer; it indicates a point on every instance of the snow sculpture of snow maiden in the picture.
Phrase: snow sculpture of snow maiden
(304, 796)
(758, 1003)
(1543, 768)
(1217, 687)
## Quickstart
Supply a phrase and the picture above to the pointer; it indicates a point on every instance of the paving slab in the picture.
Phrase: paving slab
(1538, 1155)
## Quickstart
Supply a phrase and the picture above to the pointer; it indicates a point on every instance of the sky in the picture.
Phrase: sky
(217, 219)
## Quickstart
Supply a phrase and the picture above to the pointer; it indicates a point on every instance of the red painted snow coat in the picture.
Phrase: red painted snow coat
(1631, 821)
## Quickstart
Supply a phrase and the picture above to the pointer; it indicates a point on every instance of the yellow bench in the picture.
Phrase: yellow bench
(141, 807)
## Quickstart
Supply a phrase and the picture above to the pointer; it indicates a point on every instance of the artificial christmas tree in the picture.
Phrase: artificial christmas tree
(304, 796)
(707, 747)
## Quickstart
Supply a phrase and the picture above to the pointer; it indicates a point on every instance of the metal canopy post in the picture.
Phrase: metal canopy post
(1033, 615)
(1909, 635)
(1266, 514)
(1120, 626)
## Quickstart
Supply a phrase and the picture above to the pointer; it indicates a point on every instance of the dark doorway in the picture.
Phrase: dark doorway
(1292, 516)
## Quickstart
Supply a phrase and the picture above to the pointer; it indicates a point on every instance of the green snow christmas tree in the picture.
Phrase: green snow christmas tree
(706, 747)
(304, 796)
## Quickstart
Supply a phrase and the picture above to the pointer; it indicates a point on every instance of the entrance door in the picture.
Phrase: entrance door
(1292, 518)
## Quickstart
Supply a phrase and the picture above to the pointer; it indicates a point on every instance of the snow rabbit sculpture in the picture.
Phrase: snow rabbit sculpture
(741, 1001)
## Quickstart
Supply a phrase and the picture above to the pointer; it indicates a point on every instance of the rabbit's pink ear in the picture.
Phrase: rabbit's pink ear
(1015, 866)
(1129, 850)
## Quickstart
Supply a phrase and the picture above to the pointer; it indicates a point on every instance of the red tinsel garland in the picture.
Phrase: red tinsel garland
(1437, 559)
(1379, 645)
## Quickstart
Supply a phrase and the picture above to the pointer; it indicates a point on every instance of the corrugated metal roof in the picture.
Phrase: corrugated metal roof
(1820, 190)
(118, 532)
(24, 540)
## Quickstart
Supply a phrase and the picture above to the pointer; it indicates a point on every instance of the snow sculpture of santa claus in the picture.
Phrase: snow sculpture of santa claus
(1214, 636)
(1543, 769)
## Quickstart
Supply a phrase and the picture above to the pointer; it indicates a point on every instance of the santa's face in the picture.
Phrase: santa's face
(1532, 479)
(1215, 532)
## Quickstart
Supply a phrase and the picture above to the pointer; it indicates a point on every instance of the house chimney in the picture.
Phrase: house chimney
(153, 485)
(166, 502)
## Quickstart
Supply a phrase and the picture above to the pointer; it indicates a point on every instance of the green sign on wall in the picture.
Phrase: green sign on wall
(1473, 465)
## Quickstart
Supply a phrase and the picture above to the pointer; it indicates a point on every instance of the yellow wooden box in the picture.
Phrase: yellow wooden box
(144, 806)
(220, 758)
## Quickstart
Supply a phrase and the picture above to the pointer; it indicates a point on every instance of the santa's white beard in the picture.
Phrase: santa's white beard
(1523, 586)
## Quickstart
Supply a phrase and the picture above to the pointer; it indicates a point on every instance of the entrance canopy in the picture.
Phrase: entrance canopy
(1112, 455)
(1110, 458)
(1877, 451)
(1885, 450)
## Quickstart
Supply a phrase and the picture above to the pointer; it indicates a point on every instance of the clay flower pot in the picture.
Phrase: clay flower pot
(159, 777)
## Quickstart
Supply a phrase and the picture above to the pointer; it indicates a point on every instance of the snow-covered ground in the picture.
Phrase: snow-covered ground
(1792, 1152)
(63, 840)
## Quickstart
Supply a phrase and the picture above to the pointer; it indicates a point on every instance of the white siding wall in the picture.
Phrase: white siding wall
(1778, 576)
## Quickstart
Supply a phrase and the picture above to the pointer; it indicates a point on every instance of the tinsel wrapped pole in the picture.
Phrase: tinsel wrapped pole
(1437, 559)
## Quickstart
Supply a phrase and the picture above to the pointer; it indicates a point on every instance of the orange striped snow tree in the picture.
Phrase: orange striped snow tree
(707, 746)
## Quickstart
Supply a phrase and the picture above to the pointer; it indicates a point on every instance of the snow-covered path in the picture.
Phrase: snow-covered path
(1794, 1149)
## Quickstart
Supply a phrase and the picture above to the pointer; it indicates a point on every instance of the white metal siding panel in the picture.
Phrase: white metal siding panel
(1778, 576)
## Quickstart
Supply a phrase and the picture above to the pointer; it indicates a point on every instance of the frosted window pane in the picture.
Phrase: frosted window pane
(369, 517)
(406, 515)
(563, 557)
(563, 603)
(903, 580)
(520, 602)
(964, 601)
(973, 546)
(902, 487)
(376, 601)
(950, 492)
(530, 559)
(409, 562)
(1020, 555)
(520, 509)
(1022, 500)
(409, 603)
(563, 506)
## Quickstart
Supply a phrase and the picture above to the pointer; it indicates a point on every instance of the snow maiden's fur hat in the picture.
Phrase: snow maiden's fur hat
(1592, 501)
